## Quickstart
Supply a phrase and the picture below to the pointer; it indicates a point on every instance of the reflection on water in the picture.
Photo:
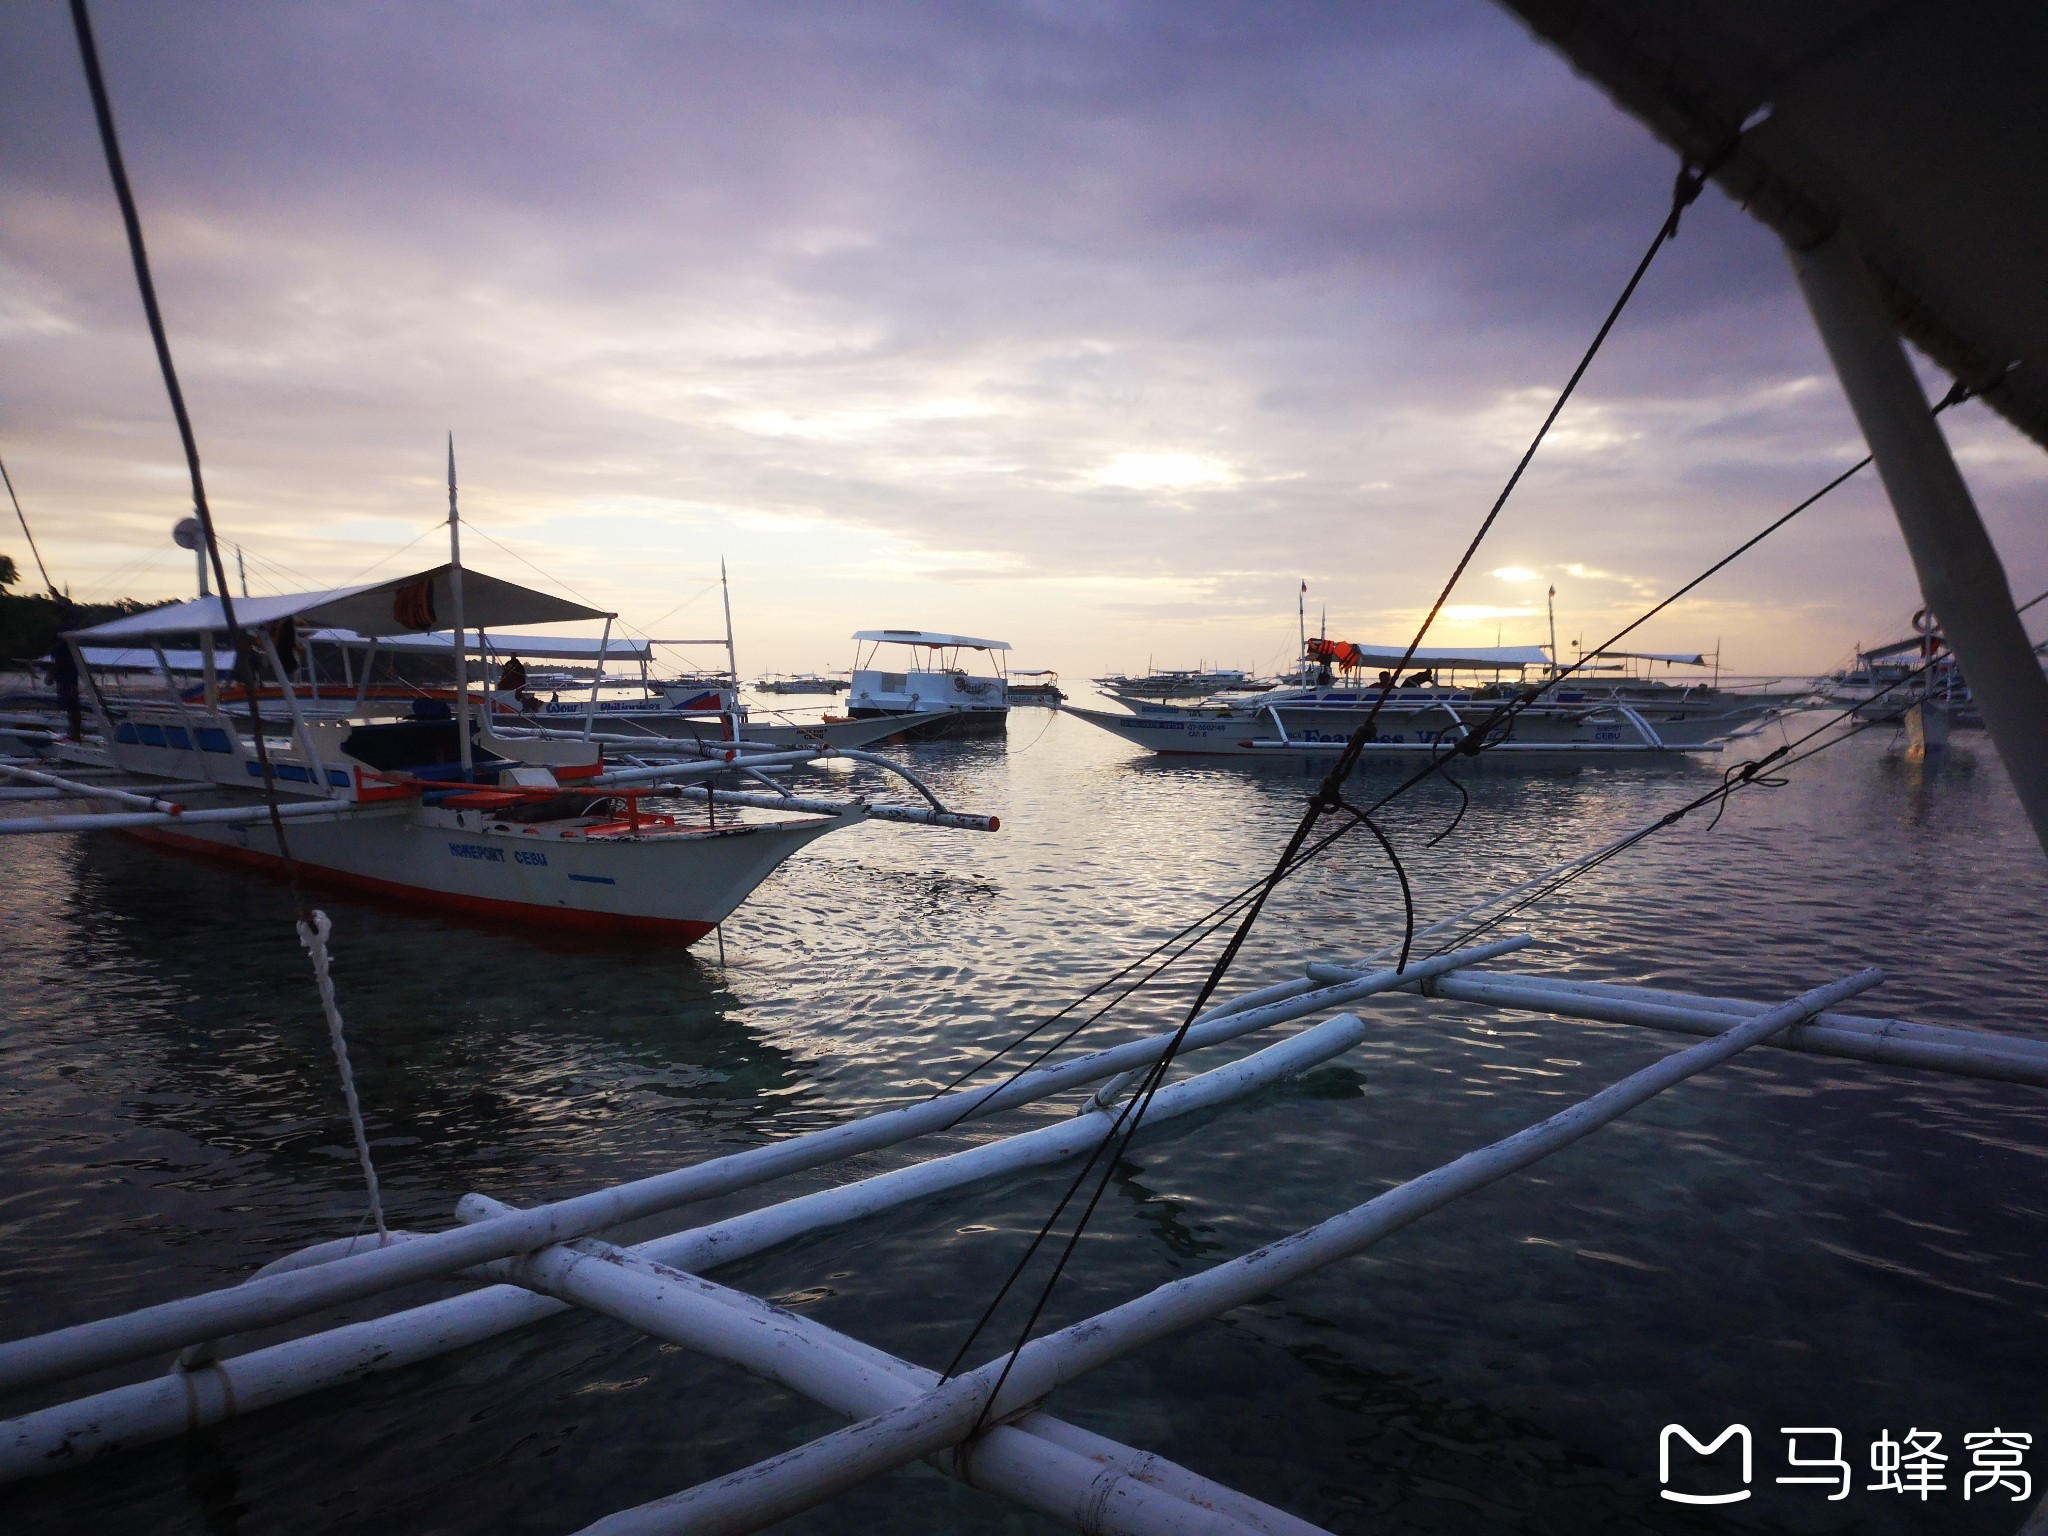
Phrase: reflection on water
(1787, 1240)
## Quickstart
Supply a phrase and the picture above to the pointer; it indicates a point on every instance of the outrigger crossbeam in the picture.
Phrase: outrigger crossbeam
(539, 1262)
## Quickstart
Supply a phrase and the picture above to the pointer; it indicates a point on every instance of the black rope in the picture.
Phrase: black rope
(1684, 192)
(1464, 804)
(1207, 924)
(1401, 874)
(110, 142)
(1328, 797)
(22, 518)
(1507, 711)
(1742, 775)
(1496, 725)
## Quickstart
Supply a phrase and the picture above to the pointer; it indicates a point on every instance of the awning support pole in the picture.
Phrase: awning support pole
(604, 646)
(1959, 570)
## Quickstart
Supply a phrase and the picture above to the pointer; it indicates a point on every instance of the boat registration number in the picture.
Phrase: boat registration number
(492, 855)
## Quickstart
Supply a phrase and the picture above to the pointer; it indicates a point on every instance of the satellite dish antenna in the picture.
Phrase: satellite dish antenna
(189, 535)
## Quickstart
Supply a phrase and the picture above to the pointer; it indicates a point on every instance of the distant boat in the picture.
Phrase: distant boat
(801, 682)
(1422, 712)
(1194, 683)
(1043, 689)
(945, 699)
(1888, 682)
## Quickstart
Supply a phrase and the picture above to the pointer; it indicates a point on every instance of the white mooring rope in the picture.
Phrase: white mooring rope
(314, 937)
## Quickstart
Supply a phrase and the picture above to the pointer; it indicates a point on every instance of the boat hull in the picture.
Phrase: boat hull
(673, 886)
(1245, 738)
(847, 733)
(942, 725)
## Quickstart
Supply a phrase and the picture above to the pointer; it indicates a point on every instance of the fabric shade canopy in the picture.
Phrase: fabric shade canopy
(927, 637)
(115, 658)
(407, 605)
(527, 647)
(1920, 131)
(1481, 656)
(1685, 659)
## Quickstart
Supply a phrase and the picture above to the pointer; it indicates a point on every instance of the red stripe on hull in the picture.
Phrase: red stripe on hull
(616, 924)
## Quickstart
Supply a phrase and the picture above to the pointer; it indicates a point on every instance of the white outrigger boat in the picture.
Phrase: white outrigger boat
(700, 708)
(520, 822)
(944, 697)
(1452, 693)
(1419, 716)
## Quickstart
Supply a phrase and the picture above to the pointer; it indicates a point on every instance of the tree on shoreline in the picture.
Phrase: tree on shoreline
(28, 621)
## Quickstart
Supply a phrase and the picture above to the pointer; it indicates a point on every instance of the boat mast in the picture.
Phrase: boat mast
(732, 664)
(1301, 616)
(455, 601)
(1550, 603)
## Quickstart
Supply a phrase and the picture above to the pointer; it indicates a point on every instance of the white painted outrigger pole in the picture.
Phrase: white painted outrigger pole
(455, 601)
(1959, 570)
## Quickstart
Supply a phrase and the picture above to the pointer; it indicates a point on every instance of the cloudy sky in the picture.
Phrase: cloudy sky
(1094, 327)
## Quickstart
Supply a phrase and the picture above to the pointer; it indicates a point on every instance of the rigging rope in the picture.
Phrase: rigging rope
(1328, 798)
(314, 937)
(313, 926)
(22, 518)
(1740, 776)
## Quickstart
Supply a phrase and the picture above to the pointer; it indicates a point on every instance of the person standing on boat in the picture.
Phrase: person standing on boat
(64, 669)
(284, 634)
(512, 680)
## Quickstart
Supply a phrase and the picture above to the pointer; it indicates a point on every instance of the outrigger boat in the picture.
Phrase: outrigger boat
(1181, 683)
(526, 823)
(801, 682)
(338, 673)
(1043, 688)
(1419, 715)
(1448, 696)
(699, 706)
(934, 687)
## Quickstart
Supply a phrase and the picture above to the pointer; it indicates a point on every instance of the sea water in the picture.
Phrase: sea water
(1786, 1241)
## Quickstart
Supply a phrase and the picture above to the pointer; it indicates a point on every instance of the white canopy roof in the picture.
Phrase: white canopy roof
(534, 647)
(116, 658)
(1463, 656)
(1689, 659)
(927, 637)
(407, 605)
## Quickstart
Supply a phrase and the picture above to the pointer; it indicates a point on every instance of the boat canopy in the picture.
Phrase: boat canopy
(1917, 129)
(1914, 646)
(117, 658)
(1688, 659)
(1347, 654)
(530, 647)
(927, 637)
(406, 605)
